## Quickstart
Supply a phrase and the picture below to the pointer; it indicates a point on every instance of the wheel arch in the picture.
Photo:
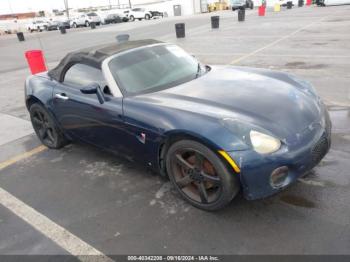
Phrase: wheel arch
(176, 135)
(31, 99)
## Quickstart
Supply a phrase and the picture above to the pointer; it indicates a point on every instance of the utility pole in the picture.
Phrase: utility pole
(130, 4)
(66, 7)
(10, 6)
(110, 5)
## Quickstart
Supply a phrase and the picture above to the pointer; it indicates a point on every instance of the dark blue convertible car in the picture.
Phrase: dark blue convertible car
(214, 130)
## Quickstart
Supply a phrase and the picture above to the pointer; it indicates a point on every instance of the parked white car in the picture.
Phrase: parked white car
(85, 20)
(38, 25)
(332, 2)
(142, 13)
(240, 4)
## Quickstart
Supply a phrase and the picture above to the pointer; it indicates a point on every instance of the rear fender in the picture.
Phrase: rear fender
(41, 87)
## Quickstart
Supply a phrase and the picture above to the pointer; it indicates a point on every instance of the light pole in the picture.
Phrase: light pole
(66, 7)
(10, 6)
(130, 4)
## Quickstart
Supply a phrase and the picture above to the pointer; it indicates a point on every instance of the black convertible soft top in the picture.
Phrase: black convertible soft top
(94, 56)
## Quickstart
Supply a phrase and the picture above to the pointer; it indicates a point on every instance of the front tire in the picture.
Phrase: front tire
(147, 17)
(200, 176)
(87, 23)
(132, 18)
(46, 128)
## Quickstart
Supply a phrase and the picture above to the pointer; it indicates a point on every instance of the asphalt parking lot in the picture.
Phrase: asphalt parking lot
(81, 200)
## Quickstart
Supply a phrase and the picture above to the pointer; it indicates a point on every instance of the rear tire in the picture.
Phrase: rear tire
(45, 127)
(87, 23)
(147, 17)
(200, 176)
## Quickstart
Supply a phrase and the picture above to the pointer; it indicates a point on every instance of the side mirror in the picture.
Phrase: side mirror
(94, 88)
(91, 89)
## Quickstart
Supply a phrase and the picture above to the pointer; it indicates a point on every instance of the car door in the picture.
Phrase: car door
(81, 20)
(136, 13)
(82, 116)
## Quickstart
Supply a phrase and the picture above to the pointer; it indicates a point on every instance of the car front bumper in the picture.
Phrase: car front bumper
(257, 169)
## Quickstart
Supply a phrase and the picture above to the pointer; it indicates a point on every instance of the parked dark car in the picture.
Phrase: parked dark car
(213, 130)
(56, 25)
(113, 19)
(156, 14)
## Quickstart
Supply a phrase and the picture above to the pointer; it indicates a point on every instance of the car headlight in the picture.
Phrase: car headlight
(264, 144)
(252, 136)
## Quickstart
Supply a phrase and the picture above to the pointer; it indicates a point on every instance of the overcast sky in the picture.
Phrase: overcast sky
(36, 5)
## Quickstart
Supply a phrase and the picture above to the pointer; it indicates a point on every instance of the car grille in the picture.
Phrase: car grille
(320, 150)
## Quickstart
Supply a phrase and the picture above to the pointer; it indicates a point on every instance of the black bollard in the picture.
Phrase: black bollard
(241, 14)
(93, 25)
(289, 5)
(20, 36)
(63, 30)
(180, 30)
(215, 22)
(300, 3)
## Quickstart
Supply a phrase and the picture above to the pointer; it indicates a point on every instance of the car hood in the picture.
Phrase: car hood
(273, 101)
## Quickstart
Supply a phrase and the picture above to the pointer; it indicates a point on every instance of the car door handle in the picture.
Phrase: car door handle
(62, 96)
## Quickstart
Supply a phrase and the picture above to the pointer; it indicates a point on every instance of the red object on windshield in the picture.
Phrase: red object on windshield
(36, 61)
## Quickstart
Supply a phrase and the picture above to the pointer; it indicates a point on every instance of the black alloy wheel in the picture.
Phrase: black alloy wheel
(200, 176)
(45, 128)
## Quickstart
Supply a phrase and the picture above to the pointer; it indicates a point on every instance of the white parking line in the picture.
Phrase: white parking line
(235, 61)
(311, 182)
(51, 230)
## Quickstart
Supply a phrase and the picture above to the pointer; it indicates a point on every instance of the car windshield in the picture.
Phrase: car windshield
(154, 68)
(92, 14)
